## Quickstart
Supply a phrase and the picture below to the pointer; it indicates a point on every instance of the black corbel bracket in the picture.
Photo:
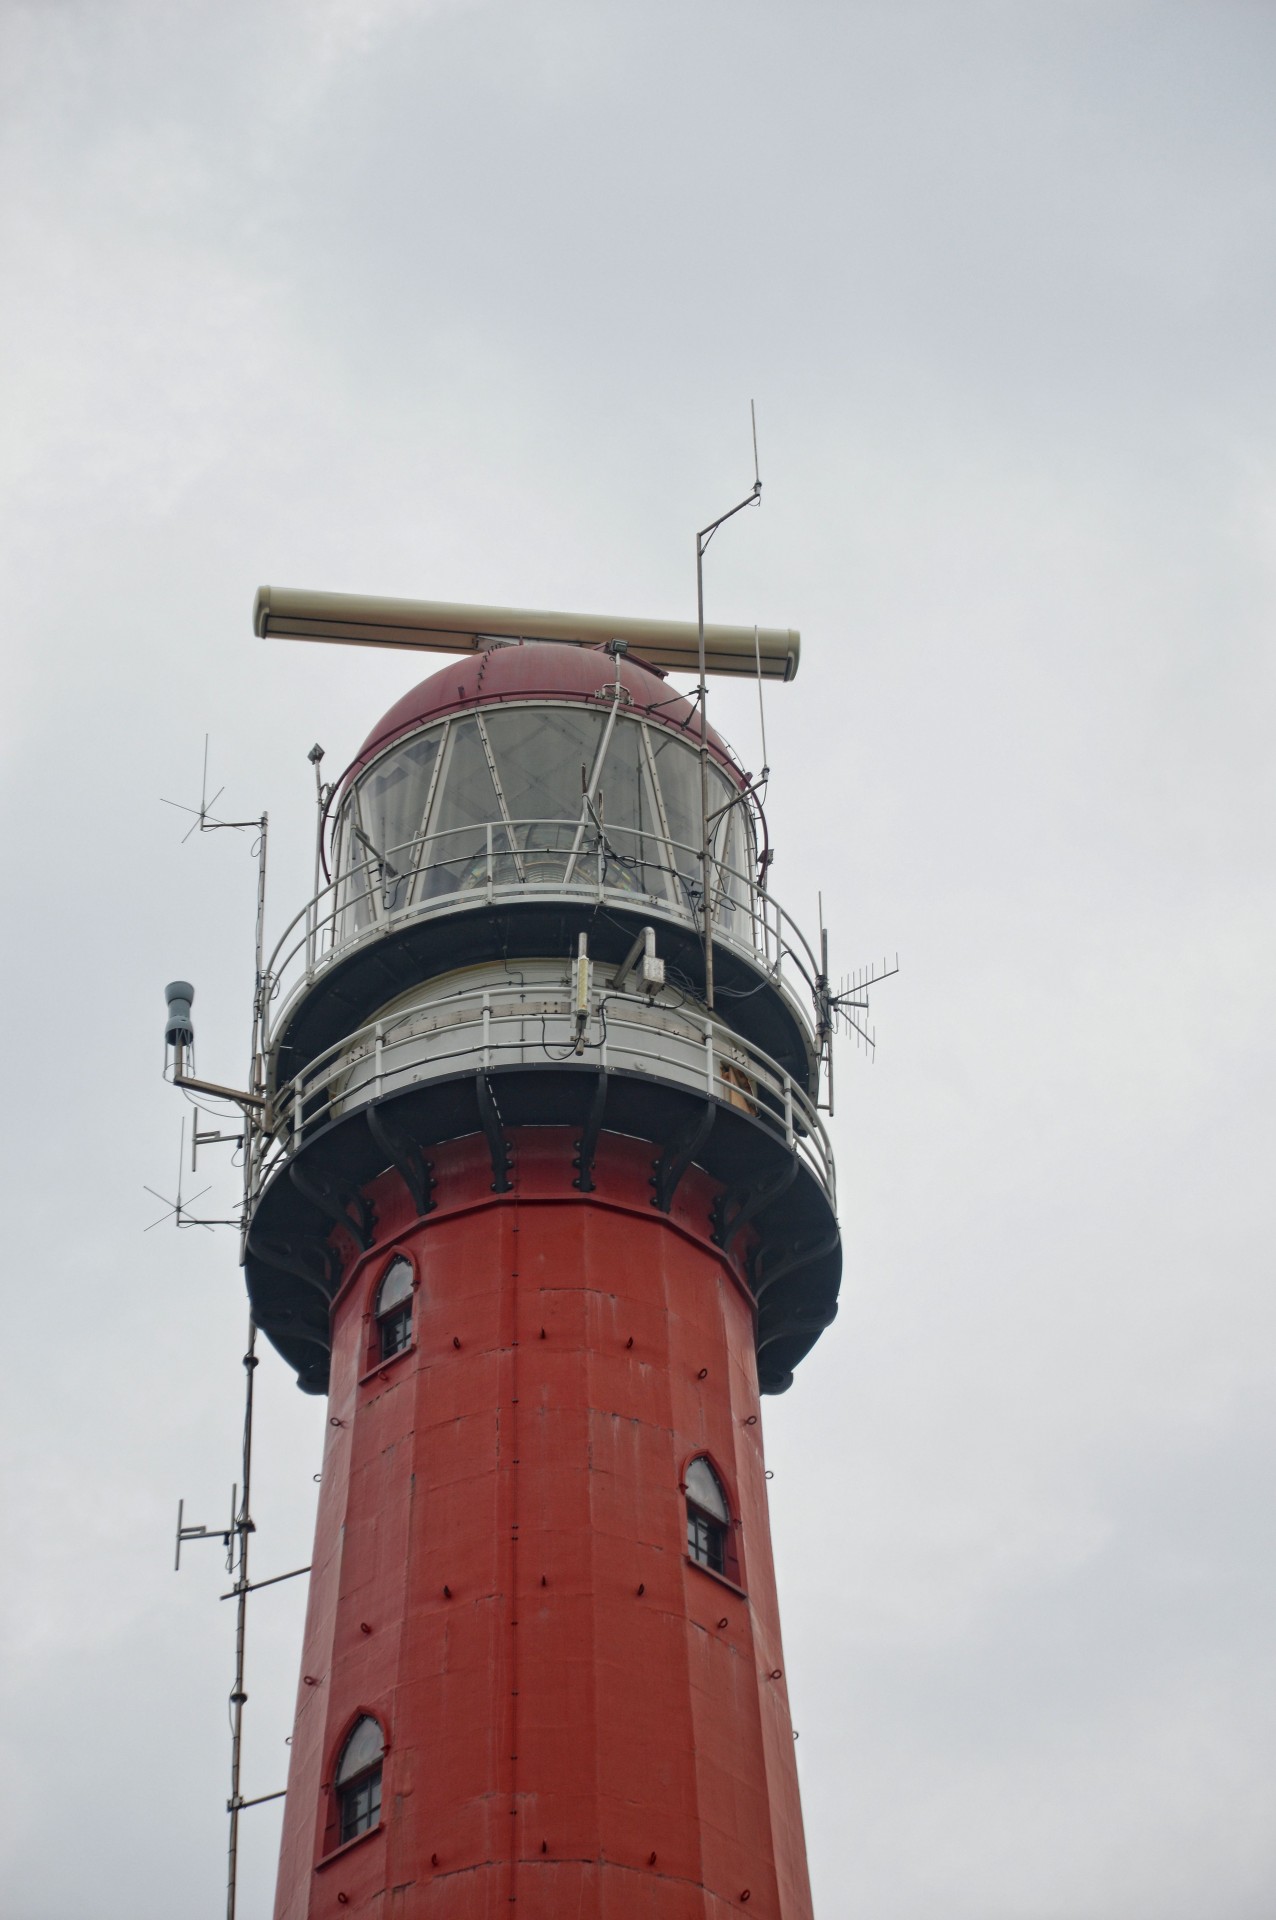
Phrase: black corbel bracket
(307, 1259)
(587, 1145)
(667, 1172)
(407, 1159)
(286, 1324)
(803, 1323)
(497, 1145)
(732, 1212)
(773, 1262)
(337, 1201)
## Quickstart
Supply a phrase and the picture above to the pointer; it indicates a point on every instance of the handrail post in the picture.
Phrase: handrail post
(379, 1052)
(788, 1112)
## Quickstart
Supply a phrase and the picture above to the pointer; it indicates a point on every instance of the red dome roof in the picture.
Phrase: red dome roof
(537, 670)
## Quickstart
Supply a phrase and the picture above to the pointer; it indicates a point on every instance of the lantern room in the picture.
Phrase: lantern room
(554, 768)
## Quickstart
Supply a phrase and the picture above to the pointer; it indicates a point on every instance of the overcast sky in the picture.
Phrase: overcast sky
(469, 301)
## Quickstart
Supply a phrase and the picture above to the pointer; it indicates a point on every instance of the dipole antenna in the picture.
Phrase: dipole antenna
(703, 537)
(179, 1210)
(204, 820)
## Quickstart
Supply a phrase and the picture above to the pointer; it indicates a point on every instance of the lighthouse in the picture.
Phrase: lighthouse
(540, 1198)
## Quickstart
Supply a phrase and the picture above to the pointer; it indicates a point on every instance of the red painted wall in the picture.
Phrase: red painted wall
(581, 1723)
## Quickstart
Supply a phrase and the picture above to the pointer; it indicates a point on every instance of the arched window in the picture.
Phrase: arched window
(358, 1781)
(393, 1308)
(708, 1517)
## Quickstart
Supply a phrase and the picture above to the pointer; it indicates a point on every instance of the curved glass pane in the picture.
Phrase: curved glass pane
(357, 872)
(544, 757)
(396, 1287)
(634, 854)
(678, 770)
(541, 755)
(704, 1487)
(456, 852)
(362, 1750)
(392, 799)
(732, 837)
(503, 791)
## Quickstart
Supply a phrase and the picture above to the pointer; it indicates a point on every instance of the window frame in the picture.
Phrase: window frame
(724, 1531)
(338, 1792)
(377, 1357)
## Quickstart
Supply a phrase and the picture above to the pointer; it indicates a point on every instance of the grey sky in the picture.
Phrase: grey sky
(469, 301)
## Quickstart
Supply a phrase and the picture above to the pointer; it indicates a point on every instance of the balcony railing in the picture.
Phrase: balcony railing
(510, 1026)
(497, 863)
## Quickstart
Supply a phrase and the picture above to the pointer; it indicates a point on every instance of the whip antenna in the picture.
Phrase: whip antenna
(703, 537)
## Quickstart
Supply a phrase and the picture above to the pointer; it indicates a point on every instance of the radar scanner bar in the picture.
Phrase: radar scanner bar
(440, 626)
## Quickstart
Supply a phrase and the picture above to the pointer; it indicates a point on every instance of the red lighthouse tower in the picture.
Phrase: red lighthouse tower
(543, 1203)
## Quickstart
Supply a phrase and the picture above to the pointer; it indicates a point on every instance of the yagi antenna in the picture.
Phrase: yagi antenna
(852, 998)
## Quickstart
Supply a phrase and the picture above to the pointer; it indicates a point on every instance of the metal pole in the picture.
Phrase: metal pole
(705, 890)
(316, 756)
(703, 538)
(257, 1067)
(243, 1528)
(824, 987)
(259, 997)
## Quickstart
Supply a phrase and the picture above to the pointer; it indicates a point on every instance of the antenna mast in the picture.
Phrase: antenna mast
(180, 1035)
(703, 537)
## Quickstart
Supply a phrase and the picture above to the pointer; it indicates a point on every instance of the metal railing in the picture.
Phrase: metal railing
(514, 1025)
(497, 863)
